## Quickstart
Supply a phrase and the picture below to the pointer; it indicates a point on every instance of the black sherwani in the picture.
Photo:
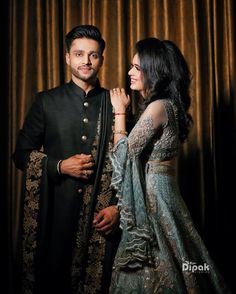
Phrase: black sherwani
(69, 256)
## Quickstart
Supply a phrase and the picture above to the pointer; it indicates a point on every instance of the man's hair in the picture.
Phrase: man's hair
(85, 31)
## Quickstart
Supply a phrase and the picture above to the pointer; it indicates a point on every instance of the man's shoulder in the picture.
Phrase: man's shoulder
(106, 91)
(54, 92)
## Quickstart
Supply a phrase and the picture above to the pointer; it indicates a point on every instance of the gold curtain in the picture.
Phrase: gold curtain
(204, 31)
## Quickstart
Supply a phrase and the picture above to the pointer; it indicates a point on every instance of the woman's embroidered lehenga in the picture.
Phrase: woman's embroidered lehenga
(160, 250)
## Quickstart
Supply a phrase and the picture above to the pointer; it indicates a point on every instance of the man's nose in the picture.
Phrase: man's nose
(87, 59)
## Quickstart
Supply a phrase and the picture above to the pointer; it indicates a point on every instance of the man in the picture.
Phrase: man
(70, 218)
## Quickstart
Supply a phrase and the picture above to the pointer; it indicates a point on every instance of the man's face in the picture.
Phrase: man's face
(84, 59)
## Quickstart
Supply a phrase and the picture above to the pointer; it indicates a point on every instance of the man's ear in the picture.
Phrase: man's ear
(67, 57)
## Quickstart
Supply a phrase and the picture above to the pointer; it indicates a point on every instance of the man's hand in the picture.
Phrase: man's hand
(78, 166)
(107, 220)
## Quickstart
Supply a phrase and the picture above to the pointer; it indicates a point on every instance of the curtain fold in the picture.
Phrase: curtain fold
(204, 31)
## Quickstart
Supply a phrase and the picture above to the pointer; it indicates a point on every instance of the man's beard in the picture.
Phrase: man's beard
(85, 78)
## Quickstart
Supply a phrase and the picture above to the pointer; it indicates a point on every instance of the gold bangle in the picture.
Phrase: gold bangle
(119, 113)
(122, 132)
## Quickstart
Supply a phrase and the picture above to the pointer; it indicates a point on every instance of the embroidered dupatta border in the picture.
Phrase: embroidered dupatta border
(34, 173)
(94, 249)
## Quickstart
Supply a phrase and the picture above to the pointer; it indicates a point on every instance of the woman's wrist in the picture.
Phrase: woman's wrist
(119, 113)
(119, 110)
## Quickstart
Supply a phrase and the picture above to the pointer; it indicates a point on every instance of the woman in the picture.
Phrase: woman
(160, 250)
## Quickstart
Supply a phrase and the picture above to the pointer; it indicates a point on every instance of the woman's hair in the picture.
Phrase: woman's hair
(166, 76)
(85, 31)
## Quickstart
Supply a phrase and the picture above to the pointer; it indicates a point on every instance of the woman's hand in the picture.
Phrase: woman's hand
(119, 100)
(107, 220)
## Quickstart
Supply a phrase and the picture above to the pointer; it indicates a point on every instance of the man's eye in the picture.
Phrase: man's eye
(78, 54)
(94, 55)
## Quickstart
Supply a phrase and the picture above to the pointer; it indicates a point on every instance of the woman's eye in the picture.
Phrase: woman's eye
(137, 67)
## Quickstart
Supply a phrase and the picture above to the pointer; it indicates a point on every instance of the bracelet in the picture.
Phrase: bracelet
(119, 113)
(120, 132)
(59, 167)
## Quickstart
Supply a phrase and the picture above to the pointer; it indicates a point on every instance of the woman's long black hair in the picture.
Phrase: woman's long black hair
(166, 76)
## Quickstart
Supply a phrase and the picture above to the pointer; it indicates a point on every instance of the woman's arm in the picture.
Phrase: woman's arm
(120, 101)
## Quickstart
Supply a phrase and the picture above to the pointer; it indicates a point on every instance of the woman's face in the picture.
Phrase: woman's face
(136, 76)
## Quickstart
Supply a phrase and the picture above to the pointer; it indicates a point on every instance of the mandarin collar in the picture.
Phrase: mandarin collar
(79, 91)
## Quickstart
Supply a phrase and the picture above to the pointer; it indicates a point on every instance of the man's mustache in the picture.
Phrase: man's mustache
(85, 67)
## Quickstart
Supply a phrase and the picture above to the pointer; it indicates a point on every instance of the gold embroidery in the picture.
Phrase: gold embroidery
(97, 243)
(31, 208)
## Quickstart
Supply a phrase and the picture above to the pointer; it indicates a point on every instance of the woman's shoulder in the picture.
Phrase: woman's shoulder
(157, 111)
(160, 105)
